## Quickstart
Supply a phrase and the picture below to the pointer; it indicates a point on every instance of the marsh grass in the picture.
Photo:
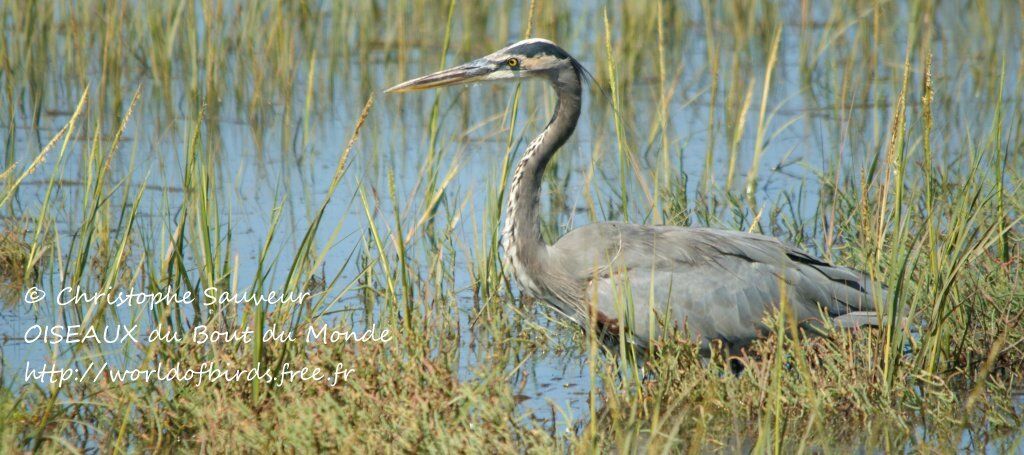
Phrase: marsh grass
(14, 255)
(240, 145)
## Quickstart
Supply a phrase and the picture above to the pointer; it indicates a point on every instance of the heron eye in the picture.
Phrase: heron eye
(512, 62)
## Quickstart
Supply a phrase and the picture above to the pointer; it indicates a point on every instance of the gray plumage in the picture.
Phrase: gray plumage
(716, 285)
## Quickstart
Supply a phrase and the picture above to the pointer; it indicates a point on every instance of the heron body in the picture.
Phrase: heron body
(634, 280)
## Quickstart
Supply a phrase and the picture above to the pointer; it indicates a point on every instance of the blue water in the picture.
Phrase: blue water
(290, 160)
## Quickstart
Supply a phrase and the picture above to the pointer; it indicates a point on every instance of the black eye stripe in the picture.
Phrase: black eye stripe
(539, 48)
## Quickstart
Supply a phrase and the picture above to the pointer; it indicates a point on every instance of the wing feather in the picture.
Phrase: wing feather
(715, 284)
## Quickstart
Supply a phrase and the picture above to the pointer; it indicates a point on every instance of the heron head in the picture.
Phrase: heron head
(528, 58)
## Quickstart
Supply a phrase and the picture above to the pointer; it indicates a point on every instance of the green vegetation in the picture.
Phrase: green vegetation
(242, 145)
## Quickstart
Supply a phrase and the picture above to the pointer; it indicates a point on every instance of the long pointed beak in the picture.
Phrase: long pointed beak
(462, 74)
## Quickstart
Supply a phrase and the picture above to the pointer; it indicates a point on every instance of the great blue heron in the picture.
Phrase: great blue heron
(716, 285)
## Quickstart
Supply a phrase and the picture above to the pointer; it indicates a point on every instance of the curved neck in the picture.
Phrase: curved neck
(522, 237)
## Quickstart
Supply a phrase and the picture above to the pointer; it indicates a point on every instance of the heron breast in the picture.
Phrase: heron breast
(523, 278)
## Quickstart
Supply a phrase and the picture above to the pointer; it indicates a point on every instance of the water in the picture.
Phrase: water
(287, 159)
